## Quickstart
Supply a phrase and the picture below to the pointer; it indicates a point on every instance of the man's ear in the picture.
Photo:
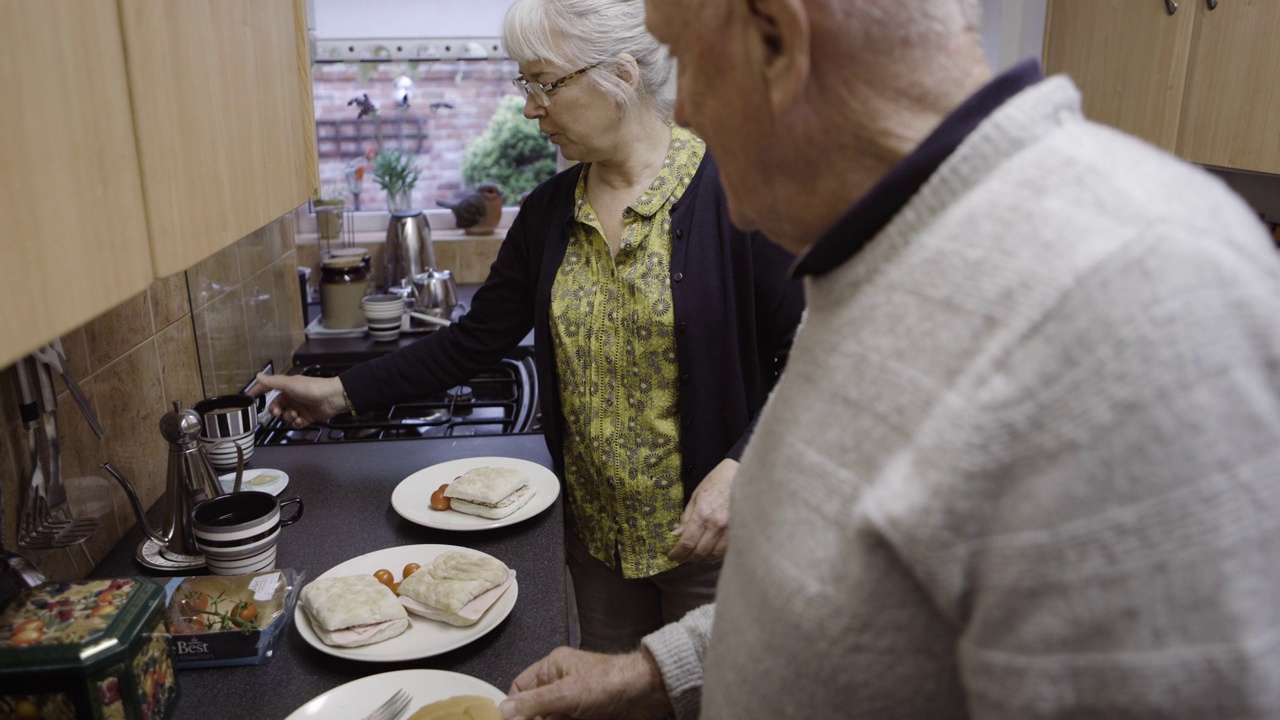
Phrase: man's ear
(783, 30)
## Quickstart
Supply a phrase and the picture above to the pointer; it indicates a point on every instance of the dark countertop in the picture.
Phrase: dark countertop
(358, 349)
(346, 489)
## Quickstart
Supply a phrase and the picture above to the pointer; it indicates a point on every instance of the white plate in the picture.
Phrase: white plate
(412, 497)
(268, 480)
(424, 637)
(359, 697)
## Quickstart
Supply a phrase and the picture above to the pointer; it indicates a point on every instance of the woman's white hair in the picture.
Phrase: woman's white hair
(576, 33)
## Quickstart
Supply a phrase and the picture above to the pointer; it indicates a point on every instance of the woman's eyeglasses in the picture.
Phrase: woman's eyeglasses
(541, 92)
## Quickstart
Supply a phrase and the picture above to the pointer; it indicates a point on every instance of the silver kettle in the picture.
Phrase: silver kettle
(190, 479)
(409, 250)
(435, 293)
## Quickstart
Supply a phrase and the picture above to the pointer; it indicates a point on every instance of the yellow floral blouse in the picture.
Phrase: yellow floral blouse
(613, 329)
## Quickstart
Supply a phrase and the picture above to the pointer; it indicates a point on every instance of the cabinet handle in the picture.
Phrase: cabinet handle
(1170, 6)
(1213, 4)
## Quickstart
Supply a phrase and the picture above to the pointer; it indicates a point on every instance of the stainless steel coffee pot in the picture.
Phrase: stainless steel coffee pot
(409, 249)
(435, 293)
(190, 479)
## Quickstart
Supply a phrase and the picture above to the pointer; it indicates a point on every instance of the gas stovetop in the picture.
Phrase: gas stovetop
(502, 400)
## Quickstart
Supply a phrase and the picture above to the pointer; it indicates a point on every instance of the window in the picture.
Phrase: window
(449, 104)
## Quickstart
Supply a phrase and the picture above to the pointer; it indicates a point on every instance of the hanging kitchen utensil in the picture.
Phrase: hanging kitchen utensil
(53, 356)
(16, 571)
(46, 521)
(78, 529)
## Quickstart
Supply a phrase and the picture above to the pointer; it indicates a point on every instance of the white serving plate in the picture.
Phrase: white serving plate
(358, 698)
(424, 638)
(412, 497)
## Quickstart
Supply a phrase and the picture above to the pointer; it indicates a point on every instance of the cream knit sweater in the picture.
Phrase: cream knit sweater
(1024, 461)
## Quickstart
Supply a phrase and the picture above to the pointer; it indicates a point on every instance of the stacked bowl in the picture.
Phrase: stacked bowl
(229, 422)
(384, 315)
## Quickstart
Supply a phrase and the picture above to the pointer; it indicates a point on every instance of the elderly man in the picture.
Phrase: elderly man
(1025, 458)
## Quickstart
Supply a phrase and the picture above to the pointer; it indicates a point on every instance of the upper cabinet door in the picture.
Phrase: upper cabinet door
(1231, 117)
(73, 232)
(222, 108)
(1129, 58)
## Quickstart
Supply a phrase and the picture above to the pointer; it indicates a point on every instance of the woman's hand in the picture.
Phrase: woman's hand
(572, 683)
(704, 526)
(302, 400)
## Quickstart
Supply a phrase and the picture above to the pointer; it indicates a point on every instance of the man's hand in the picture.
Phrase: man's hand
(589, 686)
(302, 400)
(704, 526)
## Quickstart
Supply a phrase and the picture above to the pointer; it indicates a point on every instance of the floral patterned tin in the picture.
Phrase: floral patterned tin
(87, 649)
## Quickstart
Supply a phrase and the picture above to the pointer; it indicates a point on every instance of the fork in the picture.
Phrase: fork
(392, 709)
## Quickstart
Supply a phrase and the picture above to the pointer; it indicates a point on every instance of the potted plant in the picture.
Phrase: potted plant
(396, 172)
(328, 208)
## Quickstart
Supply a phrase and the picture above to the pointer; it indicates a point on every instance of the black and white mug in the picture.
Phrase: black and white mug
(228, 416)
(237, 533)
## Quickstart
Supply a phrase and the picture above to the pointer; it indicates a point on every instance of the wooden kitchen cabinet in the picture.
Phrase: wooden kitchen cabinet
(1231, 111)
(139, 138)
(73, 232)
(1199, 83)
(223, 113)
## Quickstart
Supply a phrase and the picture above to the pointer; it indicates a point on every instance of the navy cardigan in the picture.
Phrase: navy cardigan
(736, 311)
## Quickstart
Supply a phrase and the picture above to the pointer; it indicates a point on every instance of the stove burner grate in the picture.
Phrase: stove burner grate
(499, 401)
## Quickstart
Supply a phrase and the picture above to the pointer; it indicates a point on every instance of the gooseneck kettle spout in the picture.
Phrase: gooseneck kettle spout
(190, 479)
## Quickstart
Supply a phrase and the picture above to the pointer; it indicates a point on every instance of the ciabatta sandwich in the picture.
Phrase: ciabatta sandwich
(353, 610)
(467, 707)
(491, 492)
(456, 588)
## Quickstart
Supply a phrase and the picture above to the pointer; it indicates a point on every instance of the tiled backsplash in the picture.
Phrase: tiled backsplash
(196, 334)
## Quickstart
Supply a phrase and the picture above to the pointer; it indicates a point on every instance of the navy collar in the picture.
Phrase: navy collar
(869, 215)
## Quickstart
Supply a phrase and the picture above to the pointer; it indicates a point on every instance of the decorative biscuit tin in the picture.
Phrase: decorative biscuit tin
(87, 649)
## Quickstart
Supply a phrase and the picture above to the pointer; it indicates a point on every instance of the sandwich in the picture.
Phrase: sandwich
(459, 707)
(456, 588)
(353, 610)
(491, 492)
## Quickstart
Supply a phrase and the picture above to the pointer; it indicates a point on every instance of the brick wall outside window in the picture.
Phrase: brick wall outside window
(472, 87)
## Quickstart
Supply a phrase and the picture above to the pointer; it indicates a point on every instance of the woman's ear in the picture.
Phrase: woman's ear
(782, 31)
(627, 69)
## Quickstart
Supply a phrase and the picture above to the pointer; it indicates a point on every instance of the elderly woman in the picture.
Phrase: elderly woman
(659, 328)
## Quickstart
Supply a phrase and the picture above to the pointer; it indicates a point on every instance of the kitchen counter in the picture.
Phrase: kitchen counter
(358, 349)
(346, 490)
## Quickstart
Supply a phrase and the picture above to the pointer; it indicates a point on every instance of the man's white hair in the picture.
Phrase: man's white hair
(577, 33)
(903, 25)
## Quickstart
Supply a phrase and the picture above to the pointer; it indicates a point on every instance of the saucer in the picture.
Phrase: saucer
(264, 479)
(150, 555)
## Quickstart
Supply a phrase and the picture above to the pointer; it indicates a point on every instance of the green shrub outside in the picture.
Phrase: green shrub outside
(512, 153)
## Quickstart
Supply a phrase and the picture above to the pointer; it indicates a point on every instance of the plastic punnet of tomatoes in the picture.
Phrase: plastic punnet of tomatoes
(220, 620)
(87, 649)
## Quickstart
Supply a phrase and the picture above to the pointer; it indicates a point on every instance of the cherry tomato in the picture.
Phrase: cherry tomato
(410, 569)
(196, 602)
(29, 623)
(248, 612)
(438, 500)
(384, 576)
